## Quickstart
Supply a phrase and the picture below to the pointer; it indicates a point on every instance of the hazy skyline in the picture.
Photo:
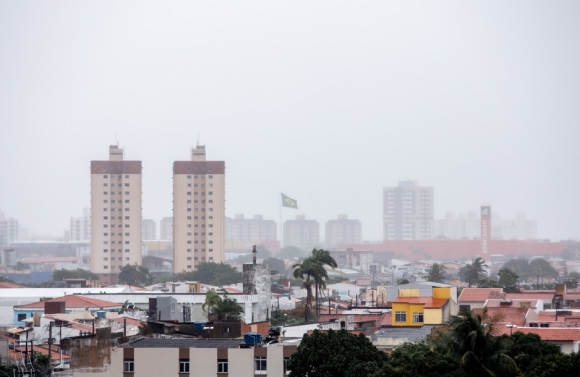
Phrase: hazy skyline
(327, 102)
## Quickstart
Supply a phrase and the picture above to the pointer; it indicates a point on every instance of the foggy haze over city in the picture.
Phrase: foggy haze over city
(326, 102)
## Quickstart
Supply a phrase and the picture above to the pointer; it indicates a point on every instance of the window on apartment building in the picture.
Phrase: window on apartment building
(126, 185)
(189, 266)
(189, 242)
(126, 217)
(209, 241)
(189, 169)
(189, 233)
(105, 209)
(189, 217)
(126, 234)
(126, 175)
(126, 200)
(210, 176)
(105, 184)
(189, 258)
(210, 169)
(126, 209)
(195, 258)
(188, 201)
(210, 193)
(126, 250)
(417, 317)
(260, 365)
(129, 365)
(105, 258)
(189, 210)
(126, 242)
(400, 317)
(105, 225)
(105, 234)
(189, 193)
(210, 201)
(210, 258)
(106, 242)
(189, 185)
(286, 370)
(105, 193)
(126, 225)
(105, 250)
(196, 250)
(223, 365)
(183, 365)
(106, 267)
(105, 176)
(210, 217)
(189, 176)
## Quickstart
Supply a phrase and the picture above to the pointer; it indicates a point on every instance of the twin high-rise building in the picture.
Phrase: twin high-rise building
(198, 211)
(116, 219)
(407, 212)
(115, 214)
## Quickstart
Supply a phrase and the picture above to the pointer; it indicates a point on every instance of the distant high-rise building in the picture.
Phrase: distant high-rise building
(463, 226)
(148, 230)
(198, 211)
(302, 233)
(115, 214)
(166, 231)
(467, 226)
(342, 231)
(251, 230)
(80, 227)
(407, 212)
(9, 229)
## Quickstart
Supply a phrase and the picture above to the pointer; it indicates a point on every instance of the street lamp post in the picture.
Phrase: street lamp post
(511, 327)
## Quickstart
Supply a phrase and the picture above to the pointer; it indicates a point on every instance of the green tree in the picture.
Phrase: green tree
(574, 275)
(228, 308)
(508, 279)
(212, 299)
(474, 271)
(413, 360)
(470, 338)
(218, 274)
(79, 273)
(19, 266)
(290, 252)
(134, 274)
(276, 264)
(520, 266)
(436, 273)
(541, 267)
(335, 354)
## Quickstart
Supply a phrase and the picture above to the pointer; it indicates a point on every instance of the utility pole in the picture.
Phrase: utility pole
(50, 348)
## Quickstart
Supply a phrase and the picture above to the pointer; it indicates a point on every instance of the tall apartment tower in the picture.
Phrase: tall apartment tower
(302, 233)
(80, 227)
(407, 212)
(252, 230)
(148, 230)
(166, 228)
(115, 214)
(343, 231)
(198, 211)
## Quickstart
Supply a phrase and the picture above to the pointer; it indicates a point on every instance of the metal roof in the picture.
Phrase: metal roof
(412, 334)
(184, 343)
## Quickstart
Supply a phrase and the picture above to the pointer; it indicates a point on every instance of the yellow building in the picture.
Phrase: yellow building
(410, 309)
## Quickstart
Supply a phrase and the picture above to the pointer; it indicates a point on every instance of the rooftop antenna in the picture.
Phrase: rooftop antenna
(197, 139)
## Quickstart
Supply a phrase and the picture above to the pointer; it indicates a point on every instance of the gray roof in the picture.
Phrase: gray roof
(183, 343)
(412, 334)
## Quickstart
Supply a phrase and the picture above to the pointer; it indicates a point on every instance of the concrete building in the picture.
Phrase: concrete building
(302, 233)
(80, 227)
(148, 230)
(467, 226)
(343, 230)
(166, 229)
(115, 214)
(250, 230)
(198, 211)
(191, 357)
(9, 229)
(354, 259)
(407, 212)
(518, 229)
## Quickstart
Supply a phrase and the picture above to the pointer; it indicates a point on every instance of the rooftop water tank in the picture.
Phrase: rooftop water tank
(101, 313)
(253, 338)
(199, 325)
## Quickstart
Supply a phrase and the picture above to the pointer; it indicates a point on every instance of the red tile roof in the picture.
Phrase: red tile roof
(517, 316)
(73, 301)
(545, 333)
(429, 302)
(6, 284)
(387, 320)
(513, 304)
(530, 295)
(476, 294)
(572, 296)
(130, 321)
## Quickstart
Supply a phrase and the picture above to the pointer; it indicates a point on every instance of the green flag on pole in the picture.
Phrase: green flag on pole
(289, 202)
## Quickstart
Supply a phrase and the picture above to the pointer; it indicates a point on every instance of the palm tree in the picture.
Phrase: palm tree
(212, 299)
(436, 273)
(325, 259)
(471, 339)
(474, 271)
(313, 268)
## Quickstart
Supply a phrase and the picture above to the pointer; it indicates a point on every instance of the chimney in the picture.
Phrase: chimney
(254, 252)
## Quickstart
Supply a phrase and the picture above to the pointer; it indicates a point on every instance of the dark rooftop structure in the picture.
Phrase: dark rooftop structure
(184, 343)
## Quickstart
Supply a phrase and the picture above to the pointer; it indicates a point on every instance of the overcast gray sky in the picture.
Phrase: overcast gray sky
(325, 101)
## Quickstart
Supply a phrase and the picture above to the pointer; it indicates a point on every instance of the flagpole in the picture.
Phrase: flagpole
(281, 226)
